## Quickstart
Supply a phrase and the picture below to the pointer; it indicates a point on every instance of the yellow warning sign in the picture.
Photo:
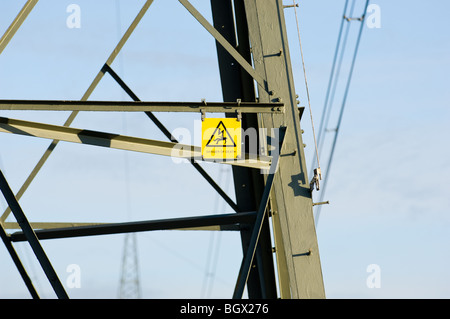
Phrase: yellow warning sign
(221, 138)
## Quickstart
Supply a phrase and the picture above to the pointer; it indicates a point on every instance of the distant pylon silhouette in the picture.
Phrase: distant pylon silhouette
(129, 280)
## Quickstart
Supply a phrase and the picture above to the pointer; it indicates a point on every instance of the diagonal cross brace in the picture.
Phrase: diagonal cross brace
(32, 238)
(15, 257)
(15, 25)
(225, 44)
(73, 115)
(167, 133)
(247, 261)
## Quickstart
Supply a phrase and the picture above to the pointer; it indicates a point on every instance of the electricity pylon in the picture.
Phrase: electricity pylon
(129, 286)
(271, 184)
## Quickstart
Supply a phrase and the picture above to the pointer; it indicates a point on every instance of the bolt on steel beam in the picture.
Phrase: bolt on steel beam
(142, 106)
(191, 223)
(128, 143)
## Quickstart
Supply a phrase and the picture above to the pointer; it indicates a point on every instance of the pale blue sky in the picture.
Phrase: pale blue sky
(388, 188)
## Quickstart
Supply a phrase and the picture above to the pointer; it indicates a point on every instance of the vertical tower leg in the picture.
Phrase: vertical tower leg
(249, 183)
(291, 198)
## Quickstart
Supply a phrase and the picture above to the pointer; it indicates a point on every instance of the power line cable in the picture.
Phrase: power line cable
(330, 81)
(334, 77)
(341, 113)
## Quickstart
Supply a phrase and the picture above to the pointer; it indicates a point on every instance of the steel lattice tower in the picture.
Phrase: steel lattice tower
(271, 185)
(129, 286)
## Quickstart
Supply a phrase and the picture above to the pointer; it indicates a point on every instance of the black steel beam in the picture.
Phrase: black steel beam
(15, 257)
(249, 184)
(140, 226)
(247, 261)
(30, 236)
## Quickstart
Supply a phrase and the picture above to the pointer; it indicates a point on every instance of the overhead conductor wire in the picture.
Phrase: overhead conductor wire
(341, 113)
(327, 102)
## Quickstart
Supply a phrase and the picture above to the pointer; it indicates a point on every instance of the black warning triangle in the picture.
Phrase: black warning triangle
(221, 137)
